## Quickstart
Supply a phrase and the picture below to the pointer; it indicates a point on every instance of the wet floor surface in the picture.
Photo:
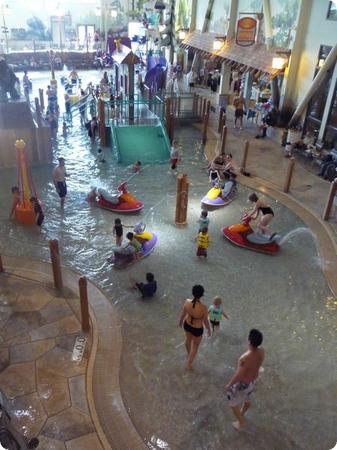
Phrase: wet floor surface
(43, 387)
(285, 296)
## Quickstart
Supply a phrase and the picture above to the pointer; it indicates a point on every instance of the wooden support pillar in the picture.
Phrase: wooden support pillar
(204, 103)
(116, 79)
(171, 127)
(195, 104)
(1, 265)
(122, 81)
(329, 203)
(290, 171)
(222, 120)
(56, 263)
(131, 71)
(101, 124)
(83, 288)
(126, 84)
(182, 200)
(178, 106)
(168, 110)
(244, 157)
(41, 97)
(38, 112)
(200, 106)
(205, 124)
(223, 140)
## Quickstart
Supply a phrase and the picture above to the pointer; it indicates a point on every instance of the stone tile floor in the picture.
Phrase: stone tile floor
(44, 390)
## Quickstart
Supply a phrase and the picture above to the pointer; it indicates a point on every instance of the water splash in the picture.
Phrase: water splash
(295, 232)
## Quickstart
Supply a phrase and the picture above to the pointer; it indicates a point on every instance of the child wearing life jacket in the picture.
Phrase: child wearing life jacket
(203, 242)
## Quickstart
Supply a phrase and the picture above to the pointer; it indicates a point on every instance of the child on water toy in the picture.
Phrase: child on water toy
(229, 187)
(216, 313)
(133, 242)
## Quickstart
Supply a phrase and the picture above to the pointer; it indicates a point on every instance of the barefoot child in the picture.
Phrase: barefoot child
(174, 155)
(118, 231)
(39, 216)
(136, 167)
(15, 200)
(215, 313)
(203, 242)
(203, 220)
(135, 243)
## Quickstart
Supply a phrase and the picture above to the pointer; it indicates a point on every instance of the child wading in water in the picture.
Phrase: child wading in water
(15, 201)
(39, 216)
(174, 155)
(215, 313)
(203, 242)
(118, 231)
(203, 221)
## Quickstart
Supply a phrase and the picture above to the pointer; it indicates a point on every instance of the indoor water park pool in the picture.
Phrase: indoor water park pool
(285, 296)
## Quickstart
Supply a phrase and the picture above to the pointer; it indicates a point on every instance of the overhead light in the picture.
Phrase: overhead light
(182, 34)
(161, 28)
(321, 62)
(279, 63)
(218, 43)
(159, 5)
(97, 11)
(113, 13)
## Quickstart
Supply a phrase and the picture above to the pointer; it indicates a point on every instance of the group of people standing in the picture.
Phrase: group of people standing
(194, 317)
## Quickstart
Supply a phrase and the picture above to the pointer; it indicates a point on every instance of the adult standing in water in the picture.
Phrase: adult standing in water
(242, 384)
(193, 318)
(59, 179)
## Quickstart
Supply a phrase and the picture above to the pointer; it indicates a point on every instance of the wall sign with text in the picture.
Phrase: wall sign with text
(246, 31)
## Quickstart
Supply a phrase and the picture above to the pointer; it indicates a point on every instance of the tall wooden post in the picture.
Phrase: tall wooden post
(290, 171)
(116, 79)
(168, 109)
(171, 127)
(222, 121)
(223, 140)
(131, 71)
(38, 112)
(178, 106)
(200, 106)
(1, 265)
(206, 120)
(244, 157)
(126, 84)
(331, 196)
(182, 200)
(101, 124)
(204, 105)
(194, 105)
(56, 263)
(82, 283)
(41, 98)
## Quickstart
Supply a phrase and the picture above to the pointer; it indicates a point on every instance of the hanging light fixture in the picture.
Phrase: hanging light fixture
(159, 5)
(218, 43)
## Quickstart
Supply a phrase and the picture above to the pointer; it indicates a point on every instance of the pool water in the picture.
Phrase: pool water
(285, 296)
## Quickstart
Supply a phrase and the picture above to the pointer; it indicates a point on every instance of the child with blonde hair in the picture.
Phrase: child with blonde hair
(216, 313)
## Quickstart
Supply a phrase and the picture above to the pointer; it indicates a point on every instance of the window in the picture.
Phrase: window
(332, 10)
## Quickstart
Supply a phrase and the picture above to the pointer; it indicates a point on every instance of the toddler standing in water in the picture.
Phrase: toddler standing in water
(15, 200)
(203, 220)
(215, 313)
(118, 231)
(203, 242)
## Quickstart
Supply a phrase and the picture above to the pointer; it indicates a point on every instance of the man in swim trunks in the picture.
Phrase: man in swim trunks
(242, 384)
(59, 179)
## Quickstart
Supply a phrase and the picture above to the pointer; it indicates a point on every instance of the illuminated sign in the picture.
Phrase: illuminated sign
(246, 31)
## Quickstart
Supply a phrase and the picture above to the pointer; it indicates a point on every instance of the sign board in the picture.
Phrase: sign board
(246, 31)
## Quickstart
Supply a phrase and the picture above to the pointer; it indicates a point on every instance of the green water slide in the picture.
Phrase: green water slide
(146, 143)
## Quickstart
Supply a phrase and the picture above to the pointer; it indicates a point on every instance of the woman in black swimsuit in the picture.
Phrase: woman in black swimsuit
(193, 318)
(267, 213)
